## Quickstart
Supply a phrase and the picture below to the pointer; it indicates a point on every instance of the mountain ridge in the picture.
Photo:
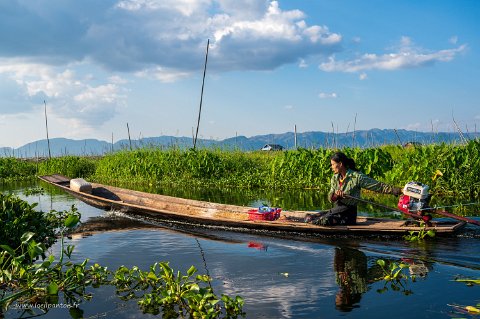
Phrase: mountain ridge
(312, 139)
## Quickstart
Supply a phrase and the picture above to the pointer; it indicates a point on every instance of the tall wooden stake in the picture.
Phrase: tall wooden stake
(201, 96)
(354, 128)
(46, 126)
(129, 140)
(398, 137)
(295, 130)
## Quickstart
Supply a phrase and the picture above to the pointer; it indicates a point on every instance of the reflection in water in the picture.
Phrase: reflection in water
(257, 245)
(351, 276)
(283, 281)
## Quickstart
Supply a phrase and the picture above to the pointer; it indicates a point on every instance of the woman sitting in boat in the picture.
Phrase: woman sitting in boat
(346, 183)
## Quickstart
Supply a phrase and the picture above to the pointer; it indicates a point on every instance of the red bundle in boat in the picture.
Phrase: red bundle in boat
(264, 213)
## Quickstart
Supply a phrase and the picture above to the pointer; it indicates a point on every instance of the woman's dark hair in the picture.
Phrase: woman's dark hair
(340, 157)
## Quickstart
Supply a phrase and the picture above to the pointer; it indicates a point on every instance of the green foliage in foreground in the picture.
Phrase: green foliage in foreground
(419, 235)
(26, 282)
(18, 217)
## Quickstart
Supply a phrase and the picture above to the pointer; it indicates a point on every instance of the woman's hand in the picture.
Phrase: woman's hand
(396, 191)
(339, 193)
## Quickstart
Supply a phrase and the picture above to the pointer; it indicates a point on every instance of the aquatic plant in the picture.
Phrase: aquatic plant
(394, 274)
(419, 235)
(30, 278)
(18, 217)
(175, 295)
(449, 170)
(16, 169)
(72, 166)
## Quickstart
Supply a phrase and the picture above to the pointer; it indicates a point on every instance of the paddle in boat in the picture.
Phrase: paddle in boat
(240, 218)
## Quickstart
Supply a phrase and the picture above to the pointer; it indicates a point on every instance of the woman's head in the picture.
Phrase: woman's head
(340, 162)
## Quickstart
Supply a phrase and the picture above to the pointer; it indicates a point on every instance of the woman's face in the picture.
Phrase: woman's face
(336, 166)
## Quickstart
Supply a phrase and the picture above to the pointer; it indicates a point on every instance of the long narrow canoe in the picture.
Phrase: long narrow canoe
(187, 211)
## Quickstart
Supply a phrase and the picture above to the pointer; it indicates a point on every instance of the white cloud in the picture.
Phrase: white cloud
(324, 95)
(117, 79)
(68, 96)
(453, 39)
(139, 35)
(414, 126)
(407, 56)
(302, 63)
(163, 74)
(185, 7)
(275, 24)
(363, 76)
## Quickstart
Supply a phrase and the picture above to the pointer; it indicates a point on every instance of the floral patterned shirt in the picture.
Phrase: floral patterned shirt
(352, 184)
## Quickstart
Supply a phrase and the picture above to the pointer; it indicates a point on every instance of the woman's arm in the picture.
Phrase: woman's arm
(376, 186)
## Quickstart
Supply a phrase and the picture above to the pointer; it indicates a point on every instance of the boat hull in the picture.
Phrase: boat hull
(187, 211)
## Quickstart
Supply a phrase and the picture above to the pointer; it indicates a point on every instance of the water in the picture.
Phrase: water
(278, 278)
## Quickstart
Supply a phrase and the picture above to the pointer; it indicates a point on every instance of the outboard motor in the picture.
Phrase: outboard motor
(415, 199)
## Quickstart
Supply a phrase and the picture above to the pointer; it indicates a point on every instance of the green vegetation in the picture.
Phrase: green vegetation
(177, 295)
(419, 235)
(449, 170)
(18, 217)
(29, 277)
(394, 274)
(15, 169)
(72, 166)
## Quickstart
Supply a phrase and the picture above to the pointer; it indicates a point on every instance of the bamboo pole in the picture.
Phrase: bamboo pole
(354, 127)
(201, 95)
(129, 140)
(295, 130)
(398, 137)
(46, 126)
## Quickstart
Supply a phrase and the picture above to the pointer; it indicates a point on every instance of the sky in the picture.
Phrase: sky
(318, 65)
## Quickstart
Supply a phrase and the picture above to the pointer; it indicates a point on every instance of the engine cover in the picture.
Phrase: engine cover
(416, 190)
(415, 198)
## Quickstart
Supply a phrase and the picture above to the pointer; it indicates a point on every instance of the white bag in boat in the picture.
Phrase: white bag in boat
(80, 185)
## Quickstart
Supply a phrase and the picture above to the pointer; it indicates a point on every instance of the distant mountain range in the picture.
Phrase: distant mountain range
(362, 139)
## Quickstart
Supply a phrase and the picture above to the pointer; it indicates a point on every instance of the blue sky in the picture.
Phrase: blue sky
(316, 64)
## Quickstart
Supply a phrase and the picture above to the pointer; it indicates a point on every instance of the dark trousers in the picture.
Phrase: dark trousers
(340, 214)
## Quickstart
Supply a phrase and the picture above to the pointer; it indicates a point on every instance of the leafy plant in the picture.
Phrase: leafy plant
(394, 274)
(419, 235)
(18, 217)
(72, 166)
(24, 281)
(27, 282)
(176, 295)
(16, 169)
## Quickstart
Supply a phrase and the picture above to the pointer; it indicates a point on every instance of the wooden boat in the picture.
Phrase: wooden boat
(187, 211)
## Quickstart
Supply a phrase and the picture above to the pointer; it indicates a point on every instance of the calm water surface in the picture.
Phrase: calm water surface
(327, 278)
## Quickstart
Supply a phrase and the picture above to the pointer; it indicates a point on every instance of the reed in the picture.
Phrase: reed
(449, 170)
(16, 169)
(72, 166)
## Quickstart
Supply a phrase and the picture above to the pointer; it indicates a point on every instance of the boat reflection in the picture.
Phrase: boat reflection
(354, 273)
